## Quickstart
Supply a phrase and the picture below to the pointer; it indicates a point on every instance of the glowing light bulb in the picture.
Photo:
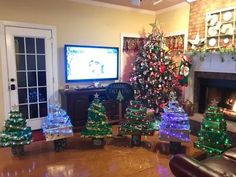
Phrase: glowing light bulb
(234, 107)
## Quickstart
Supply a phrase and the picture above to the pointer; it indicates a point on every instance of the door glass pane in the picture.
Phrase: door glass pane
(31, 79)
(31, 64)
(40, 46)
(42, 78)
(20, 62)
(43, 94)
(41, 62)
(24, 110)
(31, 76)
(43, 109)
(21, 79)
(30, 47)
(33, 95)
(22, 96)
(33, 110)
(19, 45)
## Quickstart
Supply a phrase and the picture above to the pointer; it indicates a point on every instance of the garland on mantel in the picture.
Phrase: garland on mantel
(203, 51)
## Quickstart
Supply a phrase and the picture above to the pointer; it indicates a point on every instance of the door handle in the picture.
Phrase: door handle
(13, 87)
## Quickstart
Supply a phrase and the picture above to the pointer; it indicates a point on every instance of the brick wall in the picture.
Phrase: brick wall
(198, 10)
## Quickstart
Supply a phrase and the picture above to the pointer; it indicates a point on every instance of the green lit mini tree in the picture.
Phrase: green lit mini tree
(212, 136)
(97, 126)
(137, 122)
(16, 133)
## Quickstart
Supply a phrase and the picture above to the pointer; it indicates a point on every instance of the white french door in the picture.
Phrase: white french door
(30, 71)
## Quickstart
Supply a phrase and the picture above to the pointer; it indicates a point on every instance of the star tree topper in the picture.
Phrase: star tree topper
(155, 26)
(96, 96)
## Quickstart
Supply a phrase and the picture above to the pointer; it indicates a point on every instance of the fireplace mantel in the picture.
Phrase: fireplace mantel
(211, 63)
(214, 63)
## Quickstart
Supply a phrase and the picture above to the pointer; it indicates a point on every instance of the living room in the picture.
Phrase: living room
(207, 33)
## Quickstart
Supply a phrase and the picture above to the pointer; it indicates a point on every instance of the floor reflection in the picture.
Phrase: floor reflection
(80, 159)
(60, 170)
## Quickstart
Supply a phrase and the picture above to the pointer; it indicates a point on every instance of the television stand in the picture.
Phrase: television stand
(76, 104)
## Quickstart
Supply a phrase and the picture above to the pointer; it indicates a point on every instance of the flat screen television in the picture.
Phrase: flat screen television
(91, 63)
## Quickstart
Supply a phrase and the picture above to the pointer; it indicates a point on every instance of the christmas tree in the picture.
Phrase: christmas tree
(16, 132)
(174, 125)
(212, 136)
(57, 127)
(97, 126)
(137, 121)
(154, 73)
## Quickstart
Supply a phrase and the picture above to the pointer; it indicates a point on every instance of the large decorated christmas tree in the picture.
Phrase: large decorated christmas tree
(97, 126)
(16, 133)
(212, 136)
(174, 126)
(137, 122)
(154, 73)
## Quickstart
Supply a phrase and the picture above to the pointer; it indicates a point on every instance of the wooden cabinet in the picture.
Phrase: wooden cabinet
(76, 104)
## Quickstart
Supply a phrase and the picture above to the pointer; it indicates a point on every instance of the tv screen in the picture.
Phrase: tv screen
(91, 63)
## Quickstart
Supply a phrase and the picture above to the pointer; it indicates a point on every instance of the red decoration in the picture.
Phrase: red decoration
(162, 69)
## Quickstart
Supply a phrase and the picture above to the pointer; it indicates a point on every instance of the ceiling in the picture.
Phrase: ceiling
(145, 4)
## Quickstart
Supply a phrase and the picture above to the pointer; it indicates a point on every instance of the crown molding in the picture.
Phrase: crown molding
(182, 4)
(113, 6)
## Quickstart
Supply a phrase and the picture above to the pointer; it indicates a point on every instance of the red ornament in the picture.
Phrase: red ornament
(178, 77)
(162, 69)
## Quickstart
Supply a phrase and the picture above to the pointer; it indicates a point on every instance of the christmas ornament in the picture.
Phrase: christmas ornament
(162, 69)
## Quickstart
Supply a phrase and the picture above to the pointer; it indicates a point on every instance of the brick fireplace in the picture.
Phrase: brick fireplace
(214, 86)
(208, 77)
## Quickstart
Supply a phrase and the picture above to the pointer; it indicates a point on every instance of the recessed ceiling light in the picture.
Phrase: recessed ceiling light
(189, 1)
(156, 2)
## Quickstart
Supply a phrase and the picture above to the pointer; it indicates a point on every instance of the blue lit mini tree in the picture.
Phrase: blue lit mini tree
(212, 136)
(57, 127)
(174, 126)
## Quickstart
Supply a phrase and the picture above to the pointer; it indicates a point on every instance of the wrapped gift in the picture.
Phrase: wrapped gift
(57, 124)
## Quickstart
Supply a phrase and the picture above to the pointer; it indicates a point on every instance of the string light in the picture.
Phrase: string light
(16, 132)
(212, 136)
(97, 126)
(174, 125)
(57, 124)
(137, 121)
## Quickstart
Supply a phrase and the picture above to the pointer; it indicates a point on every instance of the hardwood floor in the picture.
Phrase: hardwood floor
(82, 159)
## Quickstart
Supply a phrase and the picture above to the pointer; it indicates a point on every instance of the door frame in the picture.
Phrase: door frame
(3, 59)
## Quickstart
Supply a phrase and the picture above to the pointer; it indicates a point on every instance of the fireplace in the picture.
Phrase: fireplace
(219, 88)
